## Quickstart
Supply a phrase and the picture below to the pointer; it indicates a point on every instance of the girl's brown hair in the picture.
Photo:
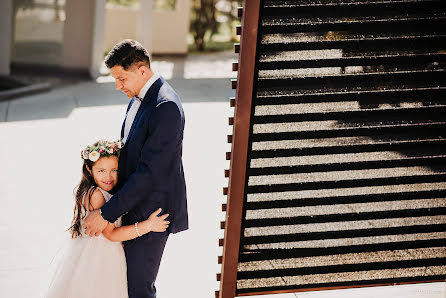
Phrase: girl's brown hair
(85, 189)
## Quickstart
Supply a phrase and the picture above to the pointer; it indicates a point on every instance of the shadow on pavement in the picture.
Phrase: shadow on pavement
(196, 78)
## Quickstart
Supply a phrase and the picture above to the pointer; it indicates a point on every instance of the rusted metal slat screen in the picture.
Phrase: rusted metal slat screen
(346, 161)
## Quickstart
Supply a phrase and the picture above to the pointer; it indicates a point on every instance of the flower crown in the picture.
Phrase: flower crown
(100, 149)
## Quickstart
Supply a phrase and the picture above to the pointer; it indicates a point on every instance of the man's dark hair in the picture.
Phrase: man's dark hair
(126, 53)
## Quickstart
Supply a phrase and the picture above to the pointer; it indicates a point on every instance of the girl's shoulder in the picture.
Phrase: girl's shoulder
(94, 201)
(105, 193)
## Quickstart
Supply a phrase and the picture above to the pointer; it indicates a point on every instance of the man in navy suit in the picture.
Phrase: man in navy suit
(150, 174)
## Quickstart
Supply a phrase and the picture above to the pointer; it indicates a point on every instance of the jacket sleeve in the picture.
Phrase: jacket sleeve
(159, 149)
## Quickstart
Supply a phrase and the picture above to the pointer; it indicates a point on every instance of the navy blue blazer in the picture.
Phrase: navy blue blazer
(150, 170)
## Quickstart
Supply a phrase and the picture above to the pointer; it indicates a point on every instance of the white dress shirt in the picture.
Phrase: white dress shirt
(131, 114)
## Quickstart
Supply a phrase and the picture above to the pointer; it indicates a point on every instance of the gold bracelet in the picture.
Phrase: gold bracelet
(136, 229)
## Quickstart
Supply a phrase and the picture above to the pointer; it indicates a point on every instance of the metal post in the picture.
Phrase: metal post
(237, 177)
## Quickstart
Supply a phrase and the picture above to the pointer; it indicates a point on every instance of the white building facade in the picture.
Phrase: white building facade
(75, 34)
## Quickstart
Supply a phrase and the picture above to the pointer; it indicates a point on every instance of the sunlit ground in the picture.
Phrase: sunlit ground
(41, 165)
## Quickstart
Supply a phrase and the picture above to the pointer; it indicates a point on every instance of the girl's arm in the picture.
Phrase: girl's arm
(154, 223)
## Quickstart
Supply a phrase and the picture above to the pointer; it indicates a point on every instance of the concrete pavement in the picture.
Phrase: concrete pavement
(41, 137)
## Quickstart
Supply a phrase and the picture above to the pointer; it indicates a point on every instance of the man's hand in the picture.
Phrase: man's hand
(94, 224)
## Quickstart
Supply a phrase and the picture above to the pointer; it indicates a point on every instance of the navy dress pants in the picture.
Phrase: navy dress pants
(143, 257)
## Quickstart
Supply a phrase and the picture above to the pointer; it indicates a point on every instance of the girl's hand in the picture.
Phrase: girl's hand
(156, 223)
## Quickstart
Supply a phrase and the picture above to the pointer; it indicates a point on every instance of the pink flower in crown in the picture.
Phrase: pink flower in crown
(102, 149)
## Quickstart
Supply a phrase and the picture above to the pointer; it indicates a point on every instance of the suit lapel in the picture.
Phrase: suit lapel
(147, 105)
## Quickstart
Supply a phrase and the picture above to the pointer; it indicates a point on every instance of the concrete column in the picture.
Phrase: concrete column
(97, 49)
(78, 34)
(6, 23)
(145, 26)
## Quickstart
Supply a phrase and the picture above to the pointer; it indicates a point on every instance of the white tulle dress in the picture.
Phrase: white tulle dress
(90, 267)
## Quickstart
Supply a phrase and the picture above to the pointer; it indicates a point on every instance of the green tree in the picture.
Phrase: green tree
(203, 19)
(206, 20)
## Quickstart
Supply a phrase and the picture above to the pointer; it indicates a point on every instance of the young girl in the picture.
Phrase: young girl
(96, 266)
